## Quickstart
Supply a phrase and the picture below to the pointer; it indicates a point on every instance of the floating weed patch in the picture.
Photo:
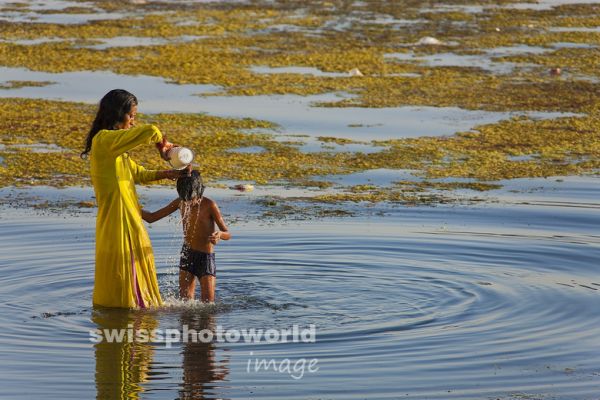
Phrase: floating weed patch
(386, 195)
(363, 126)
(64, 124)
(451, 86)
(277, 208)
(424, 185)
(405, 192)
(575, 60)
(516, 148)
(333, 37)
(340, 37)
(338, 141)
(21, 84)
(68, 10)
(562, 146)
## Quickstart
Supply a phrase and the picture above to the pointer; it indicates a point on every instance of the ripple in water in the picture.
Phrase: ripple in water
(412, 313)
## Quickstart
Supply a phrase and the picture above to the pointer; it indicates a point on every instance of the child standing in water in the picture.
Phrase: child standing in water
(200, 215)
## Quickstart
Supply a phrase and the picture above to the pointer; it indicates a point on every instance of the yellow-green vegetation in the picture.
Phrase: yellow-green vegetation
(563, 146)
(406, 192)
(64, 124)
(22, 84)
(68, 10)
(219, 42)
(278, 208)
(337, 140)
(62, 204)
(230, 38)
(424, 185)
(385, 194)
(582, 61)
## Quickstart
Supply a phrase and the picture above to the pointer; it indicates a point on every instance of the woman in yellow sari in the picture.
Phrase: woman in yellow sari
(125, 272)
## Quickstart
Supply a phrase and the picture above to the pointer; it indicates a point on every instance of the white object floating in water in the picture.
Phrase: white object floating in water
(139, 2)
(355, 72)
(429, 41)
(180, 157)
(243, 188)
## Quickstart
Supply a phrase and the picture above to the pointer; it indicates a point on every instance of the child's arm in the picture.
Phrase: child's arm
(151, 217)
(223, 232)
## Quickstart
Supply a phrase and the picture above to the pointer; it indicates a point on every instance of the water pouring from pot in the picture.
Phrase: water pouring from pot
(180, 157)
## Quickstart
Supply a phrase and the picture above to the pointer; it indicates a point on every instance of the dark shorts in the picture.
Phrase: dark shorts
(197, 263)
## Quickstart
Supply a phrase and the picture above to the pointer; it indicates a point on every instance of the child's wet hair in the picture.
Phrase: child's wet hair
(190, 187)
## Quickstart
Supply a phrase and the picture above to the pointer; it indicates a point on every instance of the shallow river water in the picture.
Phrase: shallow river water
(496, 300)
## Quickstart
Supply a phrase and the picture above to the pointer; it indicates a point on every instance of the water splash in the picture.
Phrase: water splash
(173, 303)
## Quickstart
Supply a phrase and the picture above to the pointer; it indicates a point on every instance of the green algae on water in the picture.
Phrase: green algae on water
(21, 84)
(516, 148)
(221, 43)
(227, 40)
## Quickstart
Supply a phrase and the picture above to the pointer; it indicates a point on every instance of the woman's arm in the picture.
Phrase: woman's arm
(122, 140)
(151, 217)
(174, 173)
(142, 175)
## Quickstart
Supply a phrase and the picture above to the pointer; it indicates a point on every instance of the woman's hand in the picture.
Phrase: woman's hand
(163, 148)
(215, 237)
(174, 173)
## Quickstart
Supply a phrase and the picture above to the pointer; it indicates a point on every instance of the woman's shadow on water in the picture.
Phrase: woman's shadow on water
(125, 367)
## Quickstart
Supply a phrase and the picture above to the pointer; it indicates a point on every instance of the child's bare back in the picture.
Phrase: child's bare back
(199, 223)
(200, 217)
(203, 228)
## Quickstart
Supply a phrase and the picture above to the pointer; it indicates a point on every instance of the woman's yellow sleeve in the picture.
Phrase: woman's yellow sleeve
(141, 174)
(122, 140)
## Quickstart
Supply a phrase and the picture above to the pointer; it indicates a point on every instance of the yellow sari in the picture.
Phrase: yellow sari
(125, 273)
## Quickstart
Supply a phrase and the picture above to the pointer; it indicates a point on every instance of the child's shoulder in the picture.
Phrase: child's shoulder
(211, 205)
(208, 201)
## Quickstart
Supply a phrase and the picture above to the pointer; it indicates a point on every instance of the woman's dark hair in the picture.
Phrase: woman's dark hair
(114, 106)
(189, 187)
